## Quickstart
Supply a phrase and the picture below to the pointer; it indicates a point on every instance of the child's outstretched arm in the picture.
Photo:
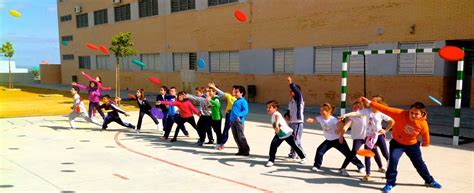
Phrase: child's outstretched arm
(82, 87)
(311, 120)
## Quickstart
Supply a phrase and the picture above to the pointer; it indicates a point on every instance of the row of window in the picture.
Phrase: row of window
(326, 61)
(146, 8)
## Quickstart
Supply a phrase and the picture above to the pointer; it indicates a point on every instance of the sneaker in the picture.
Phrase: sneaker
(210, 142)
(343, 172)
(387, 188)
(314, 168)
(199, 143)
(239, 153)
(269, 164)
(433, 184)
(366, 178)
(245, 154)
(173, 140)
(381, 170)
(187, 135)
(163, 137)
(133, 127)
(303, 161)
(137, 131)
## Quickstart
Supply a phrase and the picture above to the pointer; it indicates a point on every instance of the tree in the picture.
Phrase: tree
(8, 51)
(122, 47)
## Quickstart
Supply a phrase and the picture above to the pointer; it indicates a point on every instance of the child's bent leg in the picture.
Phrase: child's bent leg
(72, 116)
(396, 151)
(322, 149)
(350, 158)
(274, 147)
(414, 153)
(291, 141)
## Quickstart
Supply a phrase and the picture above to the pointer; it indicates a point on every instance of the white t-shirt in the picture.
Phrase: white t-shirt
(78, 103)
(358, 127)
(329, 127)
(374, 120)
(285, 130)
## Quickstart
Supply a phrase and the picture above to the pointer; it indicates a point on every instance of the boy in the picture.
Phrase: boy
(161, 97)
(230, 99)
(113, 113)
(238, 113)
(295, 108)
(282, 133)
(410, 124)
(78, 109)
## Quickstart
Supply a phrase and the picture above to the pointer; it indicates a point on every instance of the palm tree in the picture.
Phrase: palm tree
(122, 47)
(8, 51)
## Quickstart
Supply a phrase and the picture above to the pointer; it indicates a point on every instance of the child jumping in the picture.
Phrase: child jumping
(329, 125)
(282, 133)
(410, 125)
(78, 109)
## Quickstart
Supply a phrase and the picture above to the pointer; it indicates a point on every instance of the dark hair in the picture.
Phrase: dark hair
(142, 93)
(328, 106)
(182, 93)
(106, 96)
(418, 105)
(76, 88)
(172, 88)
(166, 89)
(274, 104)
(235, 86)
(200, 89)
(241, 89)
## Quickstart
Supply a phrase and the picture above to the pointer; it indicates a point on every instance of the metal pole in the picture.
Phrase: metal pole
(457, 104)
(365, 82)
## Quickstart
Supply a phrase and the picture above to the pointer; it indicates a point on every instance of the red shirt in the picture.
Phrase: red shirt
(186, 108)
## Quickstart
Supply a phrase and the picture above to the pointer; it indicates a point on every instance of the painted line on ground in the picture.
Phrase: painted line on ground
(117, 141)
(120, 176)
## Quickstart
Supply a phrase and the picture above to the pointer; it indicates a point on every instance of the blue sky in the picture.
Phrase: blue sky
(34, 35)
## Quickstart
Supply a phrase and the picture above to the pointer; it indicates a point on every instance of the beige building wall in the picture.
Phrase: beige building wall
(50, 74)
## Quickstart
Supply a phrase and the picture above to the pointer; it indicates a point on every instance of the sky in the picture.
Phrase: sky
(34, 35)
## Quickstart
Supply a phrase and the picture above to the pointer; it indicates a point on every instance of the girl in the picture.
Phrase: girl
(204, 122)
(94, 95)
(329, 125)
(186, 109)
(145, 108)
(161, 97)
(98, 82)
(375, 136)
(282, 133)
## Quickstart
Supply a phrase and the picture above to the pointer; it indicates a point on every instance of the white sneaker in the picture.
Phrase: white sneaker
(343, 172)
(315, 169)
(303, 161)
(269, 164)
(138, 131)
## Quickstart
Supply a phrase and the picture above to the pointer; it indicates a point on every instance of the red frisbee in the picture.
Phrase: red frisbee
(451, 53)
(365, 152)
(91, 46)
(154, 80)
(103, 49)
(131, 96)
(239, 15)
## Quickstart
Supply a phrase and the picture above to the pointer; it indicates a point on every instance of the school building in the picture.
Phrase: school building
(304, 39)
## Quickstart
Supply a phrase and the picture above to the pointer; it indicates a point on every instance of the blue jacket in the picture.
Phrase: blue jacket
(239, 109)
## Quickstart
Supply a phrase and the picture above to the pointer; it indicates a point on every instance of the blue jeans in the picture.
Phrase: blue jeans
(414, 153)
(225, 131)
(343, 148)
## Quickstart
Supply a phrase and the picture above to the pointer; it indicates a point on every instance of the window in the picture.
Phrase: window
(82, 20)
(182, 5)
(127, 64)
(85, 62)
(329, 60)
(184, 61)
(103, 63)
(68, 56)
(220, 2)
(66, 38)
(283, 60)
(152, 61)
(122, 13)
(66, 18)
(100, 17)
(147, 8)
(416, 63)
(224, 61)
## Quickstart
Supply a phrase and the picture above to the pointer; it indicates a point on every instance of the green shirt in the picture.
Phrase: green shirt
(215, 109)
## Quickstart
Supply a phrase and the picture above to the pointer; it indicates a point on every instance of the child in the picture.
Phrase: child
(186, 109)
(329, 125)
(173, 115)
(282, 133)
(204, 122)
(98, 82)
(230, 99)
(410, 124)
(113, 114)
(239, 112)
(145, 108)
(94, 95)
(295, 108)
(216, 116)
(78, 109)
(161, 97)
(374, 134)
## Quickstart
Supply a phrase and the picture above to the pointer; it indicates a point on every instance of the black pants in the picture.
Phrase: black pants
(180, 121)
(116, 119)
(170, 120)
(343, 148)
(95, 105)
(140, 118)
(203, 125)
(216, 126)
(276, 142)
